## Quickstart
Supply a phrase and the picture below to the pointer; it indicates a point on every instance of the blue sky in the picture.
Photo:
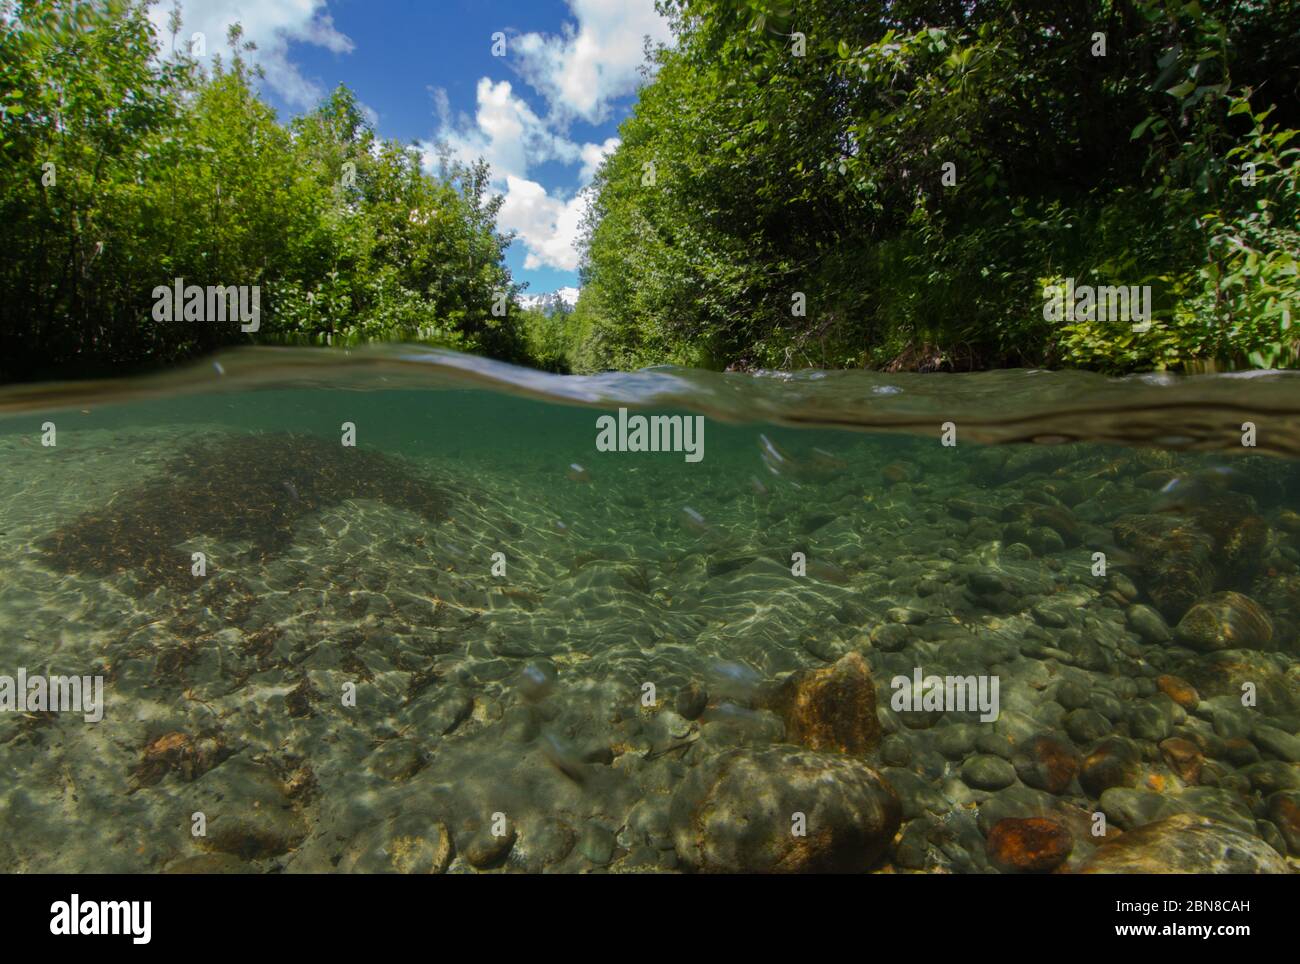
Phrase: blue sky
(543, 115)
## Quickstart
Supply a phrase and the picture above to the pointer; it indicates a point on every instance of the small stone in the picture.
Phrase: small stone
(1073, 696)
(895, 751)
(1240, 752)
(395, 760)
(484, 850)
(1047, 764)
(905, 616)
(889, 637)
(1086, 726)
(1123, 585)
(1050, 616)
(692, 700)
(1284, 812)
(542, 841)
(596, 844)
(1029, 845)
(1179, 690)
(1148, 722)
(1113, 763)
(1279, 743)
(1017, 800)
(912, 850)
(1149, 625)
(987, 772)
(1183, 757)
(956, 740)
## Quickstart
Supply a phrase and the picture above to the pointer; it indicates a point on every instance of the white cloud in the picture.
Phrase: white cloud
(509, 135)
(593, 155)
(272, 25)
(504, 131)
(548, 226)
(580, 71)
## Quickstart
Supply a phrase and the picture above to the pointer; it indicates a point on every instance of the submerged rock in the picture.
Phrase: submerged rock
(1284, 812)
(737, 812)
(1226, 620)
(1179, 690)
(1226, 672)
(1183, 757)
(1185, 844)
(987, 772)
(1047, 764)
(407, 844)
(832, 708)
(248, 809)
(1147, 623)
(1029, 845)
(1176, 558)
(1114, 762)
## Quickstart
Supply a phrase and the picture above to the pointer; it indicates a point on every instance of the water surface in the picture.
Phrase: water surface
(473, 642)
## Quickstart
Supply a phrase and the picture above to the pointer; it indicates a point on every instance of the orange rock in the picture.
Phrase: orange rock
(1048, 764)
(1179, 690)
(1183, 757)
(1029, 844)
(833, 708)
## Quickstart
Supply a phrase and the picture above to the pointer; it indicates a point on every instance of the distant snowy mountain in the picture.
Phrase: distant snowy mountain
(562, 300)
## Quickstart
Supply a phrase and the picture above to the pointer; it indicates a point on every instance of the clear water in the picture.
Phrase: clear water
(473, 642)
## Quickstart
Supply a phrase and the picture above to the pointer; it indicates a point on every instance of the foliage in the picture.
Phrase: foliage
(126, 163)
(776, 175)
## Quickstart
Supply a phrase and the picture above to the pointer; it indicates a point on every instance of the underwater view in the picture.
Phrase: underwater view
(411, 611)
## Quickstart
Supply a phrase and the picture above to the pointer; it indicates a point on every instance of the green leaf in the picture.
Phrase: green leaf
(1141, 128)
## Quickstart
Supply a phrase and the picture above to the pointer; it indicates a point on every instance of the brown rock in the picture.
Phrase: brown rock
(1179, 690)
(833, 708)
(1029, 844)
(1113, 763)
(1047, 764)
(1183, 757)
